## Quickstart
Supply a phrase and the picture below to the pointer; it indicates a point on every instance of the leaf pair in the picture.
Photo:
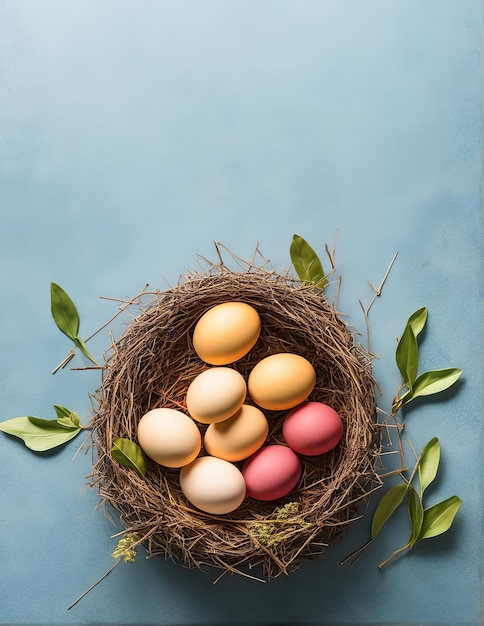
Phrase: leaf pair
(307, 264)
(41, 434)
(67, 318)
(407, 359)
(424, 522)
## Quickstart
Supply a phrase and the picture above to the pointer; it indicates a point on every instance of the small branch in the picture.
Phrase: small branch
(83, 595)
(377, 293)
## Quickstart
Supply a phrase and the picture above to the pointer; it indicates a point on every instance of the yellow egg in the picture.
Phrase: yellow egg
(216, 394)
(239, 436)
(226, 332)
(281, 381)
(169, 437)
(213, 485)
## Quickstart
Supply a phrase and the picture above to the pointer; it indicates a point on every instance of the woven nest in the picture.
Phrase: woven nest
(152, 365)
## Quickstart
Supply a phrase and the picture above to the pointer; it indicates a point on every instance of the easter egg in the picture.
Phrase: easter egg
(272, 472)
(281, 381)
(213, 485)
(312, 428)
(226, 332)
(169, 437)
(215, 394)
(239, 436)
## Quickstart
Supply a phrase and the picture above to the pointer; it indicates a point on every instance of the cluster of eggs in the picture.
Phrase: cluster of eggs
(234, 430)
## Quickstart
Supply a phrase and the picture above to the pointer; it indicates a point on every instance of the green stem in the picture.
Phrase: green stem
(392, 556)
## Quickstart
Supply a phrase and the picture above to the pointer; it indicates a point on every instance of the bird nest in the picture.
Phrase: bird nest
(152, 364)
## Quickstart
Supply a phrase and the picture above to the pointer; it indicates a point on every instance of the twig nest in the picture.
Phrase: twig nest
(152, 366)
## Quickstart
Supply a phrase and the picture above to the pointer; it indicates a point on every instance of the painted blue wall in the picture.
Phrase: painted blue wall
(133, 135)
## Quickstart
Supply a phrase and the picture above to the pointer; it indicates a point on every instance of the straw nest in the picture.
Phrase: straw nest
(152, 364)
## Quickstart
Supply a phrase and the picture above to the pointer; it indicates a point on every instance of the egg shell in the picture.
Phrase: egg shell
(281, 381)
(226, 332)
(239, 436)
(216, 394)
(312, 428)
(169, 437)
(213, 485)
(272, 472)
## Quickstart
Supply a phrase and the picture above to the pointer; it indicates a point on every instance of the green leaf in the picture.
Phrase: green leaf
(415, 514)
(417, 321)
(64, 311)
(434, 381)
(128, 453)
(38, 434)
(66, 317)
(389, 503)
(406, 356)
(307, 263)
(439, 517)
(428, 463)
(66, 417)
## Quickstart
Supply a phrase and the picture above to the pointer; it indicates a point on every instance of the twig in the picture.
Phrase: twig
(377, 293)
(83, 595)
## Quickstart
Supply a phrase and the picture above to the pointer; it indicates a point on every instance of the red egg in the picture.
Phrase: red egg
(312, 428)
(272, 472)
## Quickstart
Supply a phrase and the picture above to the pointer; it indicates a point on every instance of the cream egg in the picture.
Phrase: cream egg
(213, 485)
(226, 332)
(239, 436)
(272, 472)
(169, 437)
(312, 428)
(281, 381)
(216, 394)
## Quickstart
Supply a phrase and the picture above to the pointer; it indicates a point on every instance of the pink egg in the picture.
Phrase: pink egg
(312, 428)
(272, 472)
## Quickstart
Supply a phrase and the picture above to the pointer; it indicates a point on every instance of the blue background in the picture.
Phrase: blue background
(133, 135)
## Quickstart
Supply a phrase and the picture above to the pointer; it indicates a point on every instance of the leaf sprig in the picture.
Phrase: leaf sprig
(424, 522)
(67, 319)
(407, 359)
(40, 434)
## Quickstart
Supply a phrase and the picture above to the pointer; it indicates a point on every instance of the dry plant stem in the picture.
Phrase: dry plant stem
(152, 365)
(377, 293)
(84, 594)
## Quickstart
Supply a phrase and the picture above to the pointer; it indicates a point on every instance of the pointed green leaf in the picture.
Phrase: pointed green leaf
(417, 321)
(415, 514)
(434, 381)
(307, 263)
(46, 424)
(428, 464)
(38, 434)
(438, 518)
(66, 417)
(64, 311)
(389, 503)
(61, 411)
(128, 453)
(406, 356)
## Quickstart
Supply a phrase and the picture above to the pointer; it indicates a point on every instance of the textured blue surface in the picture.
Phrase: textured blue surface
(132, 135)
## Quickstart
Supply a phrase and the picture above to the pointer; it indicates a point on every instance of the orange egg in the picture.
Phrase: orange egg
(226, 332)
(239, 436)
(281, 381)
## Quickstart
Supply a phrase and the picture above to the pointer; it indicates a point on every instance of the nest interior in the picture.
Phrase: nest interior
(152, 364)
